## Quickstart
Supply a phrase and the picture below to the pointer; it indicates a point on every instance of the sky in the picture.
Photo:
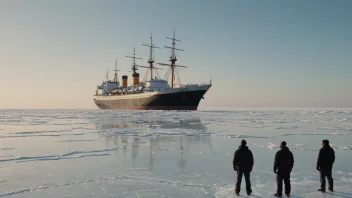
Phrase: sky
(259, 54)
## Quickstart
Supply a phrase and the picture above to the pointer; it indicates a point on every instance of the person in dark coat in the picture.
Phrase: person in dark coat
(282, 167)
(325, 161)
(243, 163)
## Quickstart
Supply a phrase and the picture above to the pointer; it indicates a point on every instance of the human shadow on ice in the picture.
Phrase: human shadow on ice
(340, 194)
(255, 196)
(295, 196)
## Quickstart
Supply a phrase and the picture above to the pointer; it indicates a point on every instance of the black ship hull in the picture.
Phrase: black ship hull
(183, 100)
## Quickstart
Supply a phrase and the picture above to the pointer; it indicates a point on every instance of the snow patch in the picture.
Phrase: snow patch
(272, 146)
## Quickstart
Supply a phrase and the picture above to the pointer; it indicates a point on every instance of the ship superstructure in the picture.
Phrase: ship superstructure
(154, 93)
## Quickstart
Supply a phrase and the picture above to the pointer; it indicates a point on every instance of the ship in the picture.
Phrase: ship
(154, 93)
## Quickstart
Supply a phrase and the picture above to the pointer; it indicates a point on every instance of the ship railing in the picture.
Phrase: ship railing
(192, 84)
(196, 84)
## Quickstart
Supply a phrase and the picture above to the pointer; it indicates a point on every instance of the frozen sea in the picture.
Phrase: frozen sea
(108, 153)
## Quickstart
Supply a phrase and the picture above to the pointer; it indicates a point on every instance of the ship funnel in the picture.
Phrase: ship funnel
(124, 81)
(135, 78)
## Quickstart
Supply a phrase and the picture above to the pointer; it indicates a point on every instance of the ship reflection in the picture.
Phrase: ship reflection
(194, 123)
(152, 146)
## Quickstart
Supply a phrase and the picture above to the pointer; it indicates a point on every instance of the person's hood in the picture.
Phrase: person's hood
(285, 148)
(243, 147)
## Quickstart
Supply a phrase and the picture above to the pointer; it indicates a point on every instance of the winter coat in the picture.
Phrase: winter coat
(326, 157)
(283, 161)
(243, 159)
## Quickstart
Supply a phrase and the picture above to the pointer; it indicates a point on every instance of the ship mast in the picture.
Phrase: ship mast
(173, 58)
(134, 65)
(116, 70)
(150, 60)
(107, 75)
(135, 74)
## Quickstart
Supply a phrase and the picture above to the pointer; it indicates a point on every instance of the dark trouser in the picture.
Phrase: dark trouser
(286, 178)
(239, 180)
(324, 172)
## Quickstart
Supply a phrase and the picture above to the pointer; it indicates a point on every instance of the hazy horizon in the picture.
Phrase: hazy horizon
(270, 54)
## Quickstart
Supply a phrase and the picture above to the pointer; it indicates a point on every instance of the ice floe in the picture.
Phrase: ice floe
(287, 127)
(68, 155)
(100, 180)
(341, 147)
(7, 149)
(247, 136)
(77, 140)
(301, 147)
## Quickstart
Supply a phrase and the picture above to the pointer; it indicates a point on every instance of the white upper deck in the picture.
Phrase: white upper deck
(156, 85)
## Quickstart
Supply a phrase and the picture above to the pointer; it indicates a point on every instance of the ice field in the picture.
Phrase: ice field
(108, 153)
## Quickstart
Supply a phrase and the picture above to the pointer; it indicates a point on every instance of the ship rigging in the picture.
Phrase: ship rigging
(173, 59)
(150, 60)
